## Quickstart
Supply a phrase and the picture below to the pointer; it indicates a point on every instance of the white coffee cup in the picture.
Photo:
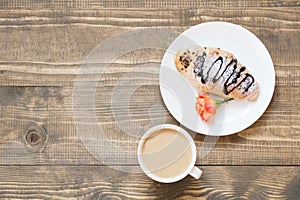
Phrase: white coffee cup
(191, 169)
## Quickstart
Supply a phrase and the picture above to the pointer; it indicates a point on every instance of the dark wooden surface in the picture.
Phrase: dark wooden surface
(99, 182)
(43, 44)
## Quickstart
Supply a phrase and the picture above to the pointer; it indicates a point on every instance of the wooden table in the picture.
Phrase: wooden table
(43, 44)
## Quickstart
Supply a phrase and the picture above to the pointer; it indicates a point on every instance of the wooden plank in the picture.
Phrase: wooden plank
(286, 75)
(65, 37)
(96, 182)
(143, 3)
(272, 140)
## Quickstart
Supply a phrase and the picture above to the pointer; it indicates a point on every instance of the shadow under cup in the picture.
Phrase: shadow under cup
(167, 153)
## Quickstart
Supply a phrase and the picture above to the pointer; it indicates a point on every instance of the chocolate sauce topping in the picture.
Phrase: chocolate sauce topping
(199, 65)
(232, 79)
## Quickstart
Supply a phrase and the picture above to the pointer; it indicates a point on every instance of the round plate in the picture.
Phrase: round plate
(179, 96)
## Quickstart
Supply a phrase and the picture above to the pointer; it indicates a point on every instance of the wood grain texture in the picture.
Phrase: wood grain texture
(70, 182)
(66, 37)
(44, 79)
(264, 143)
(43, 44)
(67, 4)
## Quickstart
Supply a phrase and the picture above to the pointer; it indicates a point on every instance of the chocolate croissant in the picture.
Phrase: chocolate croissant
(218, 72)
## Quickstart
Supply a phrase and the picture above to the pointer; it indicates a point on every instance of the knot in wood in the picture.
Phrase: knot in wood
(33, 137)
(36, 137)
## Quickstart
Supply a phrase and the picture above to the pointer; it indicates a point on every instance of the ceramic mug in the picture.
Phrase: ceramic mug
(190, 170)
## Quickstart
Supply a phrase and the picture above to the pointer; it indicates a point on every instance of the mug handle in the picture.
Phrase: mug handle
(196, 172)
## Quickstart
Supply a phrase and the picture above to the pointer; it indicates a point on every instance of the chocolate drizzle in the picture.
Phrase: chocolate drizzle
(215, 79)
(231, 80)
(199, 65)
(234, 77)
(249, 83)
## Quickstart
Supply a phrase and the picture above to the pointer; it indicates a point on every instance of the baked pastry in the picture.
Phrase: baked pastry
(216, 71)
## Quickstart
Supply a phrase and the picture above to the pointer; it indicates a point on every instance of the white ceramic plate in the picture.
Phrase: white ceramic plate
(179, 96)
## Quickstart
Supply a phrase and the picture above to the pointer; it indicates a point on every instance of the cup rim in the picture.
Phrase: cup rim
(181, 131)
